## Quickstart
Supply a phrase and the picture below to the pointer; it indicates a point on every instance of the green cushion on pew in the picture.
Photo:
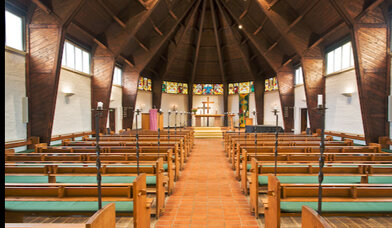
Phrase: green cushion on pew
(263, 180)
(150, 180)
(339, 206)
(26, 179)
(165, 167)
(380, 179)
(80, 206)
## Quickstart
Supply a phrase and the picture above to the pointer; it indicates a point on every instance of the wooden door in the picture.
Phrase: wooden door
(112, 119)
(304, 119)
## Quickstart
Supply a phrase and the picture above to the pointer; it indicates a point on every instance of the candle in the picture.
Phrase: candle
(275, 108)
(320, 100)
(100, 105)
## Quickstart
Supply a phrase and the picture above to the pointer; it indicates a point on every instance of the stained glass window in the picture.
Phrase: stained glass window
(172, 87)
(231, 88)
(184, 88)
(244, 87)
(252, 87)
(164, 87)
(207, 89)
(144, 84)
(218, 89)
(197, 89)
(271, 84)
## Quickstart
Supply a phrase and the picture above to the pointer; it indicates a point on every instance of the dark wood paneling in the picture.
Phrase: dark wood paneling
(156, 92)
(101, 83)
(314, 83)
(129, 93)
(259, 86)
(369, 37)
(286, 94)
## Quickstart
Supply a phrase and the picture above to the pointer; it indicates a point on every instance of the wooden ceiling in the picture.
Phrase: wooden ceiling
(199, 41)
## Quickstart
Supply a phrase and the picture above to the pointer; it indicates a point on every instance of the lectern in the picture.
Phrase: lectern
(150, 120)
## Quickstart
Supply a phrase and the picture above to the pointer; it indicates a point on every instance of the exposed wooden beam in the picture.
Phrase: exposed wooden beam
(88, 33)
(198, 41)
(174, 16)
(110, 12)
(246, 10)
(156, 29)
(170, 59)
(129, 94)
(261, 26)
(302, 15)
(369, 8)
(343, 14)
(45, 5)
(272, 4)
(141, 44)
(127, 60)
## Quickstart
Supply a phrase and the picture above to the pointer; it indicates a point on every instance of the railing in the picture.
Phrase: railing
(345, 135)
(35, 140)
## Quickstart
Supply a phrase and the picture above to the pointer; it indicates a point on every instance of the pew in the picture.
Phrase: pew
(338, 199)
(308, 173)
(115, 159)
(105, 217)
(82, 173)
(77, 199)
(310, 218)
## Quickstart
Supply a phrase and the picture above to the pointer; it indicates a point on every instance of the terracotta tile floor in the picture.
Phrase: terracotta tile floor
(207, 194)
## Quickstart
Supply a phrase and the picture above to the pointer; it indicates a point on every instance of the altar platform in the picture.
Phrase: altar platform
(207, 132)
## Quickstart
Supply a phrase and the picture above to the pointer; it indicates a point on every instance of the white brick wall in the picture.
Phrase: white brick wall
(272, 99)
(72, 114)
(15, 89)
(168, 100)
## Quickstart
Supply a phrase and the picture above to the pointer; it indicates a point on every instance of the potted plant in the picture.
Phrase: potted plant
(194, 110)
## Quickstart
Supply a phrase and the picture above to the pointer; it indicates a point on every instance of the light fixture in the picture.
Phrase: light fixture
(240, 26)
(69, 94)
(348, 94)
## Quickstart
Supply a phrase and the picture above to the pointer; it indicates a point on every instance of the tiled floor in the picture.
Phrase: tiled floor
(207, 194)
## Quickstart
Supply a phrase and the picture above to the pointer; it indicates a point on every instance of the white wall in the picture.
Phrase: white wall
(233, 107)
(272, 99)
(299, 103)
(179, 100)
(216, 108)
(343, 113)
(116, 103)
(72, 114)
(15, 89)
(144, 102)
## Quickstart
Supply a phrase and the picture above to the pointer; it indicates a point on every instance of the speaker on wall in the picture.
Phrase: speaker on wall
(25, 109)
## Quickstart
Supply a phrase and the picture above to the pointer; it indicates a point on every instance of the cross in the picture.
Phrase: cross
(208, 102)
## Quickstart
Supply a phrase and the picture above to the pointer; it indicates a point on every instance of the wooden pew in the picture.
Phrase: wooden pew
(288, 199)
(105, 217)
(310, 218)
(330, 158)
(179, 157)
(45, 196)
(115, 159)
(356, 170)
(249, 151)
(52, 171)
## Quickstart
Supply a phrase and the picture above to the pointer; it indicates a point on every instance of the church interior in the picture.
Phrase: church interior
(198, 113)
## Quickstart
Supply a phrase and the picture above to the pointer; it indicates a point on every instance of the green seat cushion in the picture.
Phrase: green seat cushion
(339, 206)
(263, 180)
(79, 206)
(165, 167)
(26, 179)
(150, 180)
(380, 180)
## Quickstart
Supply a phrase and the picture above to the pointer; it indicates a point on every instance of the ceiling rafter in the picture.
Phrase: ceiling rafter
(90, 34)
(342, 13)
(170, 59)
(261, 26)
(273, 61)
(154, 50)
(245, 11)
(110, 12)
(218, 45)
(245, 59)
(198, 41)
(301, 16)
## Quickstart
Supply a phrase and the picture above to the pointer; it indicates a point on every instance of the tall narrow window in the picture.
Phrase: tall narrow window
(340, 58)
(13, 31)
(117, 76)
(299, 78)
(76, 58)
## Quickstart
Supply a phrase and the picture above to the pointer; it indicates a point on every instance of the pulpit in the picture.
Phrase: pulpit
(151, 120)
(248, 121)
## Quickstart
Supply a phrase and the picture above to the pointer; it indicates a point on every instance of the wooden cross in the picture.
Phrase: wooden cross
(208, 102)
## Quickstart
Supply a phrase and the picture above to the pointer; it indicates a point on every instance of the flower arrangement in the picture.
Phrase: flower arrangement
(194, 110)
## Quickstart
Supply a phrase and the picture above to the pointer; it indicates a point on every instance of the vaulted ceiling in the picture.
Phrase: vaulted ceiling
(200, 41)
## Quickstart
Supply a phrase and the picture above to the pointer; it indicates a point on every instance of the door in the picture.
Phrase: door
(112, 119)
(304, 119)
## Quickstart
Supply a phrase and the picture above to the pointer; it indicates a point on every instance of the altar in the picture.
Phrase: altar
(198, 118)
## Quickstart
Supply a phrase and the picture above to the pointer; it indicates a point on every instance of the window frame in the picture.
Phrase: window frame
(81, 47)
(121, 81)
(23, 27)
(332, 48)
(297, 67)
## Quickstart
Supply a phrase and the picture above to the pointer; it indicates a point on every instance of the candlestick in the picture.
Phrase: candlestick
(100, 105)
(319, 100)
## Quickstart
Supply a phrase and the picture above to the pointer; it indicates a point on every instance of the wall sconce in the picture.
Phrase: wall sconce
(348, 94)
(174, 107)
(67, 95)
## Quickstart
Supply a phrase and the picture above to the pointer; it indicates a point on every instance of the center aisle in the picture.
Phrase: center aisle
(207, 193)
